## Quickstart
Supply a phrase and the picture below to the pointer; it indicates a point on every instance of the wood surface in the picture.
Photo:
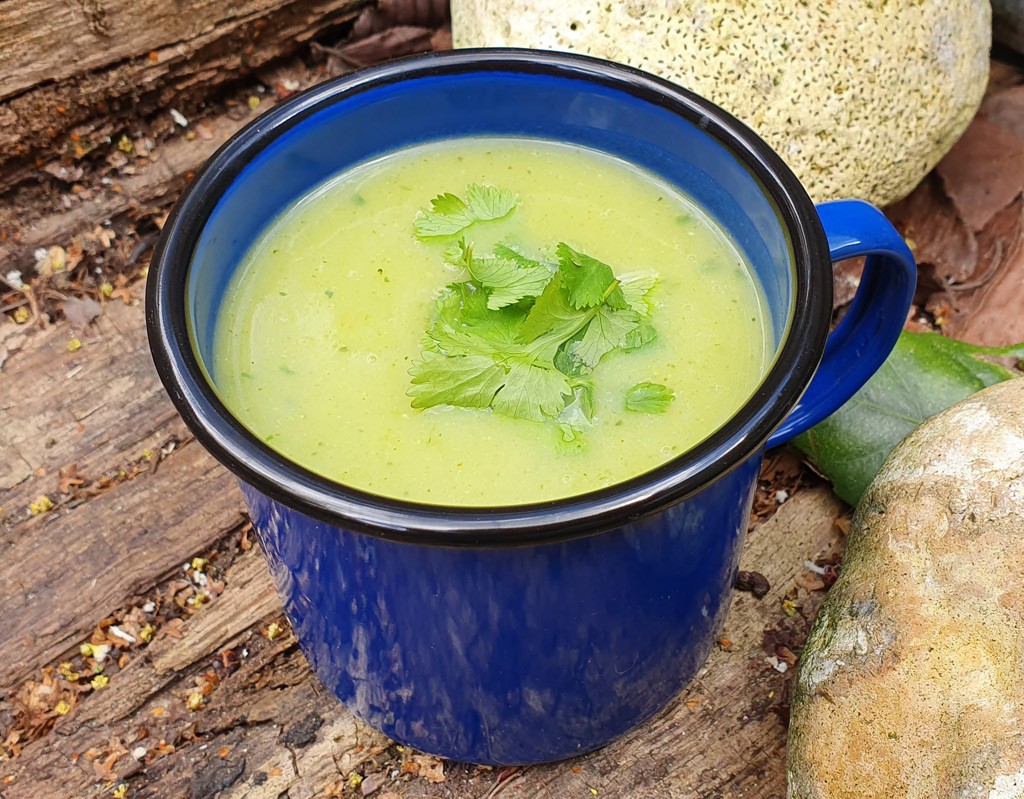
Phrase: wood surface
(152, 500)
(268, 729)
(73, 72)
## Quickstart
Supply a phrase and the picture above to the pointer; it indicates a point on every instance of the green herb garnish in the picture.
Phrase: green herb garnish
(649, 398)
(449, 215)
(520, 335)
(508, 276)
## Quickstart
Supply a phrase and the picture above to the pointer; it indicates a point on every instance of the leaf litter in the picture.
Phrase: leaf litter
(966, 223)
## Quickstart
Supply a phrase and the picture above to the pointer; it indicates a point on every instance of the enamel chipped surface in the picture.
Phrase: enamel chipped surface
(860, 98)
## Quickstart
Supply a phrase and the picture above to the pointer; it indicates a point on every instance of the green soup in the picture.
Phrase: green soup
(326, 315)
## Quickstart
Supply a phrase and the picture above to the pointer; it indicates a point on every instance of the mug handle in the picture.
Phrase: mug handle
(866, 335)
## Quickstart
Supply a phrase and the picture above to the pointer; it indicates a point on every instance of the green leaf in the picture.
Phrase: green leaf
(649, 398)
(504, 251)
(517, 335)
(579, 413)
(532, 391)
(468, 381)
(507, 281)
(608, 330)
(588, 282)
(925, 374)
(636, 290)
(640, 336)
(458, 253)
(463, 324)
(551, 321)
(487, 202)
(449, 214)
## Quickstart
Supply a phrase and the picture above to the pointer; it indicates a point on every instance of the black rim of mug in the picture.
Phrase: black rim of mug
(325, 500)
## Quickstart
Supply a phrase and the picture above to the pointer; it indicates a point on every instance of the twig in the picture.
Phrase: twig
(993, 267)
(14, 305)
(504, 782)
(341, 55)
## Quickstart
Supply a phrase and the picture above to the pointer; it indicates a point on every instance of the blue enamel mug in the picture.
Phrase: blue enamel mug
(522, 634)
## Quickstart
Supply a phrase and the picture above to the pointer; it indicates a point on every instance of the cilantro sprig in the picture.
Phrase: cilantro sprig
(449, 215)
(522, 336)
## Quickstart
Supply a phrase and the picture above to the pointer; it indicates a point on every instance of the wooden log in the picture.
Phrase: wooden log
(72, 73)
(150, 184)
(268, 728)
(102, 409)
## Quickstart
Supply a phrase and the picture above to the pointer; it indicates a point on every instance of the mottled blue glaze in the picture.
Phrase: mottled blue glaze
(519, 655)
(525, 634)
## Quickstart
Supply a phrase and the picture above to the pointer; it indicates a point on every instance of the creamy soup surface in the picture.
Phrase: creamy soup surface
(326, 313)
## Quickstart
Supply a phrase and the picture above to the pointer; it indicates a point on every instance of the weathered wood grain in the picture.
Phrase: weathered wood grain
(101, 408)
(86, 67)
(269, 729)
(151, 184)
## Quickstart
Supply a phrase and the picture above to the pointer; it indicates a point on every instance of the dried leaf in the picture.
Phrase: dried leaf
(441, 40)
(430, 768)
(938, 236)
(105, 769)
(1006, 109)
(990, 314)
(172, 629)
(69, 478)
(390, 43)
(984, 172)
(966, 223)
(809, 581)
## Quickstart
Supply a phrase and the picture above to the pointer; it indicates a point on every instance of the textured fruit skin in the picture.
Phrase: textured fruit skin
(911, 684)
(860, 97)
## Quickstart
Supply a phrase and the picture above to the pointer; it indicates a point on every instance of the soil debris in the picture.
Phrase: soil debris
(752, 583)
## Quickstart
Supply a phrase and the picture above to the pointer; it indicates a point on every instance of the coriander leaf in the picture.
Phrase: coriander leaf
(552, 321)
(504, 251)
(607, 330)
(570, 434)
(588, 281)
(923, 375)
(507, 281)
(463, 325)
(532, 392)
(640, 336)
(447, 215)
(636, 290)
(579, 413)
(564, 362)
(468, 381)
(649, 398)
(487, 202)
(458, 253)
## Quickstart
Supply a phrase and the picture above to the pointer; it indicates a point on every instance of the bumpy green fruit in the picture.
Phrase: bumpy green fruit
(861, 97)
